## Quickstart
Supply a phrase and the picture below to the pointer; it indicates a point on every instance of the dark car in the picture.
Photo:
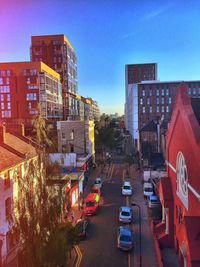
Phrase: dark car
(82, 227)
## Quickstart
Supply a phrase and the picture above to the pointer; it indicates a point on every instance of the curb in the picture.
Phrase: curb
(157, 248)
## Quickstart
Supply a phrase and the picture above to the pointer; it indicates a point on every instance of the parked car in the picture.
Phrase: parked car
(153, 201)
(125, 238)
(82, 227)
(96, 190)
(91, 204)
(148, 189)
(127, 189)
(98, 183)
(125, 214)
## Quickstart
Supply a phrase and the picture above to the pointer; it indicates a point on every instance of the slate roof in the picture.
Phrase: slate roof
(14, 151)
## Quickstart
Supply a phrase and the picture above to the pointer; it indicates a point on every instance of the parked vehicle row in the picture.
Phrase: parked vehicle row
(90, 208)
(124, 233)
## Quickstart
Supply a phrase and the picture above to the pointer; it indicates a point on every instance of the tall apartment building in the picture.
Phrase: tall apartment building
(135, 73)
(28, 88)
(57, 52)
(153, 100)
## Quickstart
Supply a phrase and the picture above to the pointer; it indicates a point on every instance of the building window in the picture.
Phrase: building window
(148, 101)
(31, 96)
(163, 92)
(2, 105)
(167, 108)
(143, 109)
(141, 101)
(8, 97)
(71, 148)
(163, 100)
(167, 91)
(157, 109)
(2, 97)
(33, 72)
(170, 100)
(63, 135)
(157, 100)
(150, 92)
(157, 92)
(194, 91)
(8, 105)
(72, 135)
(8, 213)
(1, 80)
(143, 92)
(163, 109)
(7, 180)
(150, 109)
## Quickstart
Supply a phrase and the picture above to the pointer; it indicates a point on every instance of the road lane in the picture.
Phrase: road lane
(99, 249)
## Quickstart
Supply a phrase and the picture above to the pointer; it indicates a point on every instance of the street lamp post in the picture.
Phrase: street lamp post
(140, 230)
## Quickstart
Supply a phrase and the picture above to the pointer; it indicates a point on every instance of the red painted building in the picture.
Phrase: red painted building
(27, 89)
(180, 190)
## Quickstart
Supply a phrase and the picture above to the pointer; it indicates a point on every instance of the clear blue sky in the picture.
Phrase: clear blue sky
(106, 35)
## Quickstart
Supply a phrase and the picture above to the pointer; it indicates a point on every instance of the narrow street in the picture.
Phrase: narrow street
(99, 248)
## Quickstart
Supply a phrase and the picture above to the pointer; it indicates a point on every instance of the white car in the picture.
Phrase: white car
(125, 214)
(127, 189)
(148, 189)
(98, 183)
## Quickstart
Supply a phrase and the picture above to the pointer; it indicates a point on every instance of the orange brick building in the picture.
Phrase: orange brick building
(27, 88)
(57, 52)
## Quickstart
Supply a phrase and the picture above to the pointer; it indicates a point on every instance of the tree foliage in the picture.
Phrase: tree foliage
(38, 210)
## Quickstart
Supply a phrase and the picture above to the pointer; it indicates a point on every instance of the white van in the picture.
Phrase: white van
(148, 189)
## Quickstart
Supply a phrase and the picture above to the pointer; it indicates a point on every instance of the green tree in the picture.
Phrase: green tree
(38, 208)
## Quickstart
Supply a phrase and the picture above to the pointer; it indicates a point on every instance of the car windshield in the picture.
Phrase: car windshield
(127, 187)
(148, 189)
(90, 203)
(154, 200)
(125, 213)
(125, 238)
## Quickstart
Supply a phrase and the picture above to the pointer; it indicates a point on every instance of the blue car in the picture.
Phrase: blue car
(125, 238)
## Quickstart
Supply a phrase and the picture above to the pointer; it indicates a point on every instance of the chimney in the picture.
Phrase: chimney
(2, 134)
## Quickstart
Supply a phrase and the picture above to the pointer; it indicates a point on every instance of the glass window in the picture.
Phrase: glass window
(33, 72)
(157, 109)
(150, 109)
(72, 135)
(150, 92)
(167, 91)
(143, 109)
(157, 100)
(2, 97)
(148, 101)
(141, 101)
(8, 105)
(157, 92)
(163, 100)
(143, 92)
(163, 92)
(1, 80)
(167, 108)
(63, 135)
(163, 109)
(2, 105)
(194, 91)
(170, 100)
